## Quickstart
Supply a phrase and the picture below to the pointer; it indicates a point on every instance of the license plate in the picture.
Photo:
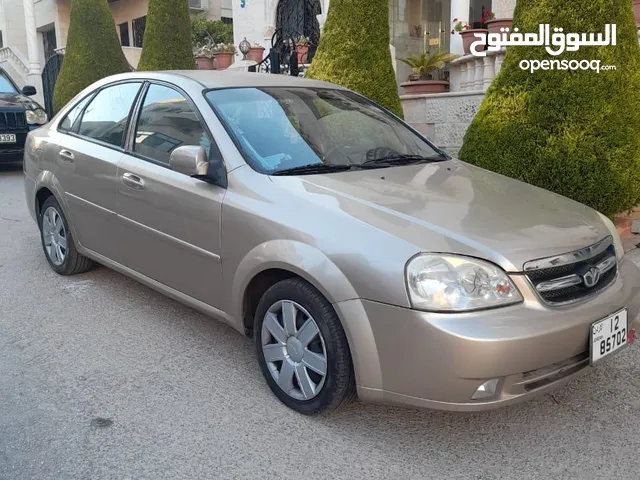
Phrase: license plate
(608, 335)
(7, 138)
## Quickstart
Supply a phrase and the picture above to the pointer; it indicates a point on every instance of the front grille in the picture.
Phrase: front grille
(12, 121)
(574, 272)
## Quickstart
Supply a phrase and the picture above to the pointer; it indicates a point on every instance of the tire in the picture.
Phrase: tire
(64, 260)
(308, 392)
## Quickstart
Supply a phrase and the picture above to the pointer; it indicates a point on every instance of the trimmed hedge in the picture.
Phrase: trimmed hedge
(167, 37)
(576, 133)
(92, 52)
(202, 30)
(354, 51)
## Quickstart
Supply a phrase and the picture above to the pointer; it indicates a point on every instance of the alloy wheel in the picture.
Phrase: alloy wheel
(294, 350)
(54, 236)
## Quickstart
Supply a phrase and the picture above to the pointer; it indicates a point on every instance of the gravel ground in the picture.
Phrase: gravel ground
(102, 378)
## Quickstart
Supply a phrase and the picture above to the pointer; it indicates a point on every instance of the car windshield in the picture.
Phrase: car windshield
(5, 84)
(284, 129)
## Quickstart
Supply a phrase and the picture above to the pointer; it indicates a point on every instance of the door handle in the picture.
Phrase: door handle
(66, 156)
(133, 181)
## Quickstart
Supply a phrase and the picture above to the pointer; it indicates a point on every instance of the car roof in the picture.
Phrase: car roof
(228, 78)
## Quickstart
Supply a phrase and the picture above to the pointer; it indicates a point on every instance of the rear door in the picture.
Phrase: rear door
(86, 155)
(170, 221)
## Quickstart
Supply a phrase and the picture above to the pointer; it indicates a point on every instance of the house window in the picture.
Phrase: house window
(1, 44)
(227, 20)
(138, 25)
(124, 34)
(195, 3)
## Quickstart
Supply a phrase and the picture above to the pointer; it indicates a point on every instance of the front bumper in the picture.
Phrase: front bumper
(13, 152)
(431, 360)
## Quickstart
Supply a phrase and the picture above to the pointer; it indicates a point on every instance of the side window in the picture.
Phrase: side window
(166, 122)
(69, 122)
(105, 118)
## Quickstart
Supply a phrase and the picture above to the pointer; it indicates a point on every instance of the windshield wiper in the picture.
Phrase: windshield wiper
(400, 159)
(313, 168)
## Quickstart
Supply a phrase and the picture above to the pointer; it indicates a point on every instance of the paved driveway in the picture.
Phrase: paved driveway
(102, 378)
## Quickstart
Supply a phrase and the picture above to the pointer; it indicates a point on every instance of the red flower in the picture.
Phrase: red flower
(455, 19)
(453, 32)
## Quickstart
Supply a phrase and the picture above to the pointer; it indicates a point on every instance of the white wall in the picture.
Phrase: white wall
(250, 22)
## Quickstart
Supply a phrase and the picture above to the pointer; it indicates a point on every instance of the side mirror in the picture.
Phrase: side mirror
(190, 160)
(29, 90)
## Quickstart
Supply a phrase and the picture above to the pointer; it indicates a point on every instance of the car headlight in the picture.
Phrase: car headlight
(453, 283)
(36, 117)
(617, 242)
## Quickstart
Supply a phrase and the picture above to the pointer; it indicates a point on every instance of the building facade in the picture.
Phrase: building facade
(414, 25)
(32, 31)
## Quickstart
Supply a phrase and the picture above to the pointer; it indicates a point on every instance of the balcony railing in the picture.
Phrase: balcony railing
(470, 73)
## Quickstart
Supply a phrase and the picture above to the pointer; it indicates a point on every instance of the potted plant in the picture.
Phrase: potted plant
(223, 54)
(423, 70)
(302, 49)
(467, 33)
(256, 53)
(495, 24)
(204, 57)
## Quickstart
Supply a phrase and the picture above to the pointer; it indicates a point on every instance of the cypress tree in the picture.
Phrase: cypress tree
(354, 51)
(92, 52)
(167, 37)
(574, 132)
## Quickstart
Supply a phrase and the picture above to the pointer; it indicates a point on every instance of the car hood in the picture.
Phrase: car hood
(455, 207)
(16, 101)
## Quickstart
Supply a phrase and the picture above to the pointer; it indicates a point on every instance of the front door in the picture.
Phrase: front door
(171, 222)
(87, 152)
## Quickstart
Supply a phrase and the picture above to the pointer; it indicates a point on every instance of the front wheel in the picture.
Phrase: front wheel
(302, 348)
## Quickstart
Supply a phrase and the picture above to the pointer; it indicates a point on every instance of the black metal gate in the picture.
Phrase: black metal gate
(49, 76)
(298, 17)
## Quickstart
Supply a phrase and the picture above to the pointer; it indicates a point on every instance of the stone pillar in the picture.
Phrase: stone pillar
(459, 10)
(488, 73)
(503, 8)
(463, 77)
(33, 62)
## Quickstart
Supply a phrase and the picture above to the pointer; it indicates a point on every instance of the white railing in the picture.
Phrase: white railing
(470, 73)
(15, 63)
(15, 59)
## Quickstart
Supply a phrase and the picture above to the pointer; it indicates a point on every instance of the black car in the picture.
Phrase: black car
(18, 115)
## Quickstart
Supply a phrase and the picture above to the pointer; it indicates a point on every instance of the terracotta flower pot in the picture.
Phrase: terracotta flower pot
(420, 87)
(224, 60)
(636, 10)
(303, 52)
(204, 63)
(468, 38)
(494, 26)
(256, 54)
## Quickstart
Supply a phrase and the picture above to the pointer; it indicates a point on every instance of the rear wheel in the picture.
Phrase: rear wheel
(57, 241)
(302, 348)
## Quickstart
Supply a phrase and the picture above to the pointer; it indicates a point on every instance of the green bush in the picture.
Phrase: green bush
(216, 31)
(577, 132)
(92, 52)
(354, 51)
(167, 37)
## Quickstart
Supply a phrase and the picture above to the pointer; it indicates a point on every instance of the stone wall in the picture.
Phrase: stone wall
(443, 118)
